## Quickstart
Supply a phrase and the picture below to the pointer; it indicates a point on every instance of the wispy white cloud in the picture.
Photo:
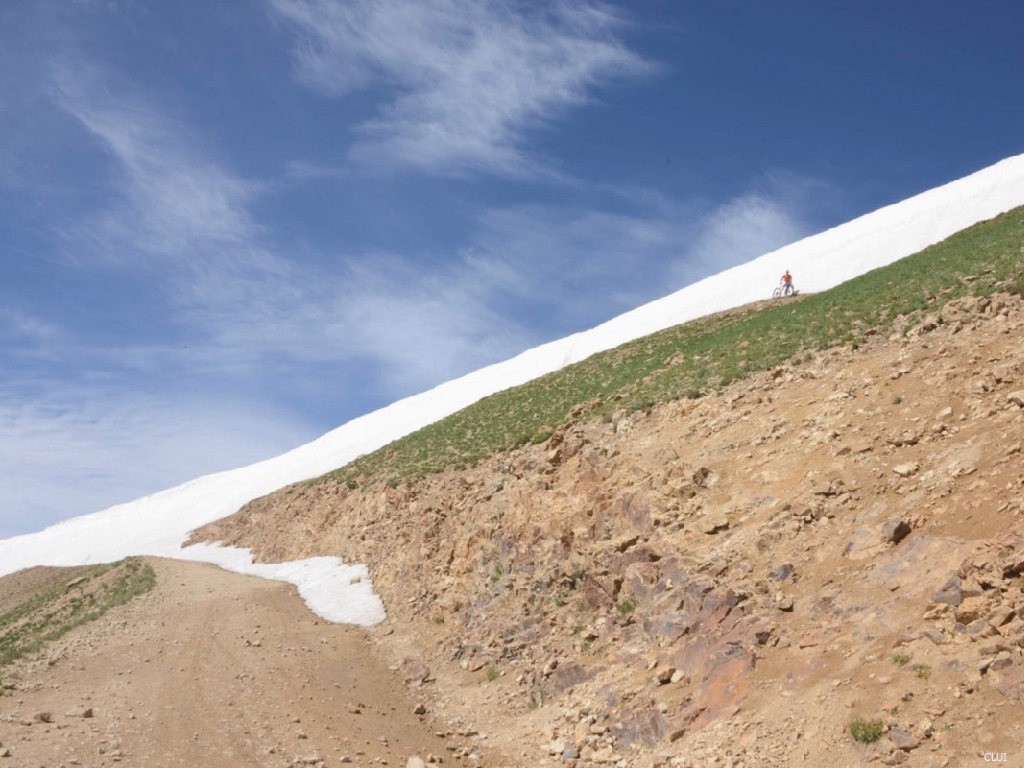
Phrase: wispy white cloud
(580, 266)
(243, 303)
(424, 327)
(466, 80)
(407, 321)
(735, 232)
(71, 451)
(528, 272)
(777, 210)
(21, 327)
(171, 200)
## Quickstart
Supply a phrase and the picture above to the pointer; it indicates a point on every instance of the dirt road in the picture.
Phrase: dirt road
(212, 669)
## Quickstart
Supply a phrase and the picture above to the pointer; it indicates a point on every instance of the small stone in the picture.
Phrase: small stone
(415, 762)
(713, 524)
(971, 609)
(950, 594)
(895, 530)
(782, 572)
(902, 739)
(935, 635)
(906, 470)
(556, 747)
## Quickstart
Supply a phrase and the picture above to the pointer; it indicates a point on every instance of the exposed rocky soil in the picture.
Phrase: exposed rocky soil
(731, 579)
(728, 581)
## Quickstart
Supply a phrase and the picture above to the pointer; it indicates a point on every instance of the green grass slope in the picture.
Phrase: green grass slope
(692, 359)
(69, 598)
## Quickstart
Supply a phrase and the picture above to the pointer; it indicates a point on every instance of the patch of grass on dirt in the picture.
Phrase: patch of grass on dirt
(58, 608)
(866, 731)
(691, 360)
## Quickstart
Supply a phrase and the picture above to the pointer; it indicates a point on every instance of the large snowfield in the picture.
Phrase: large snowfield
(159, 523)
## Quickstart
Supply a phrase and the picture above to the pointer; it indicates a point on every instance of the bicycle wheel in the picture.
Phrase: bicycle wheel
(777, 292)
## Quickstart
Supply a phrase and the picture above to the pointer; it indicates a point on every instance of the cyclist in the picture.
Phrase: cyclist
(787, 283)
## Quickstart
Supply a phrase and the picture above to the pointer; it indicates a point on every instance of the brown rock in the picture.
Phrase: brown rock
(902, 739)
(972, 609)
(895, 530)
(414, 671)
(713, 524)
(950, 594)
(1009, 681)
(906, 470)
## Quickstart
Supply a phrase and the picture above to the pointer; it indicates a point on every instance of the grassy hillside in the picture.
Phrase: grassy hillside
(692, 359)
(67, 598)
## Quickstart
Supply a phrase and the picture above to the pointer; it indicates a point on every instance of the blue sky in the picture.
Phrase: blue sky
(229, 226)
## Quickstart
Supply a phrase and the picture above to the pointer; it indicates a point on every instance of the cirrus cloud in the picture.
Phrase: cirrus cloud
(466, 79)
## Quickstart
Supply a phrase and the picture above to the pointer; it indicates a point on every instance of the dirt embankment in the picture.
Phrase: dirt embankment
(736, 578)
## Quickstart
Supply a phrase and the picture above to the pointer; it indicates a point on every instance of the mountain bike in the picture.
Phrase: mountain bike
(784, 289)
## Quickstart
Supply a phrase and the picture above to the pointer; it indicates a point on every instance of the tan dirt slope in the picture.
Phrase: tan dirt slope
(735, 578)
(730, 581)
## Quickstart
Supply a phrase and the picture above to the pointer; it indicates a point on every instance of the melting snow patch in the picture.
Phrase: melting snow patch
(332, 590)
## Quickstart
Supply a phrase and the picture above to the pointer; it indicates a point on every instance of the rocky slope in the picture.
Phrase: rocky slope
(726, 581)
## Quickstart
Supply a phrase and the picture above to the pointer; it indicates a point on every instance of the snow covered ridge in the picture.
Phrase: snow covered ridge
(159, 523)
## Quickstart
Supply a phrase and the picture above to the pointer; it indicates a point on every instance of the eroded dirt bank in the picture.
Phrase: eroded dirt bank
(733, 580)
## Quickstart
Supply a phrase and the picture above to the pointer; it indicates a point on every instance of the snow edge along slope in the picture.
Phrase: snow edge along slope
(158, 524)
